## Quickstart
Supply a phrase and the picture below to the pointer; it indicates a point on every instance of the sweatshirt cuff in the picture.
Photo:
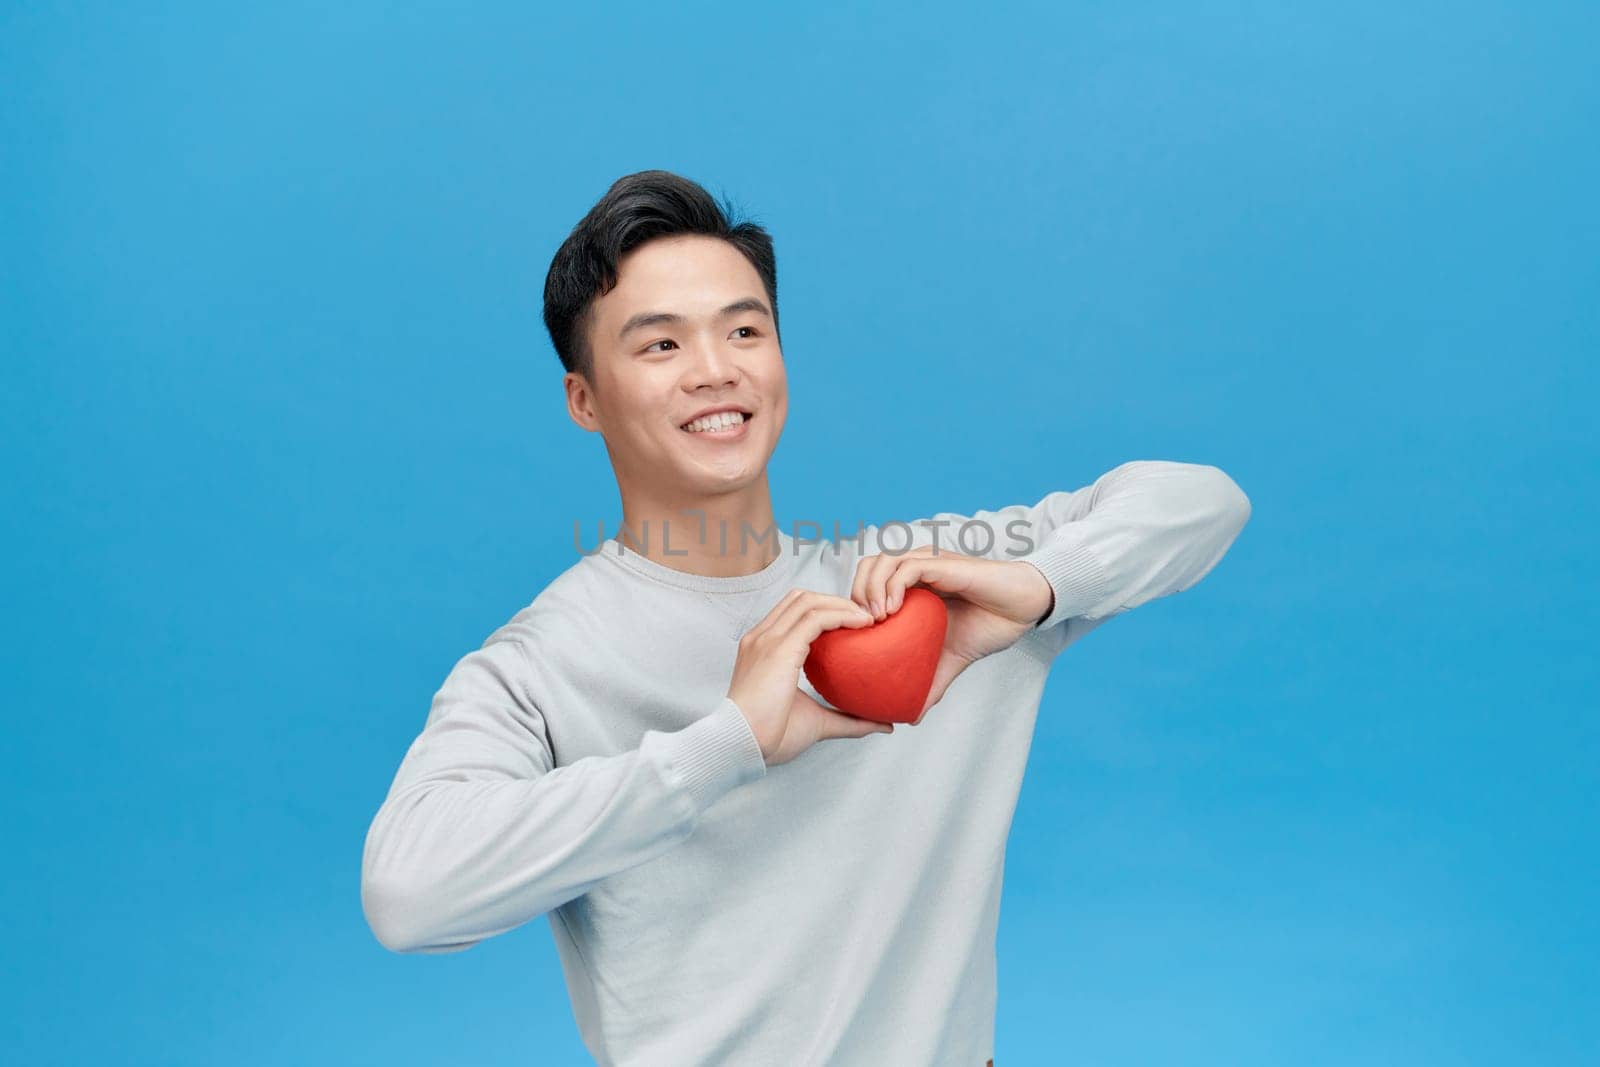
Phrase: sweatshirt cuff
(1075, 576)
(715, 754)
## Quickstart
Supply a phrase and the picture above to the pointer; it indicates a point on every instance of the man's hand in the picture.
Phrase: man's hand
(990, 602)
(766, 676)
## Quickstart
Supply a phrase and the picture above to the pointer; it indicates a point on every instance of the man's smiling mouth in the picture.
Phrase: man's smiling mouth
(720, 423)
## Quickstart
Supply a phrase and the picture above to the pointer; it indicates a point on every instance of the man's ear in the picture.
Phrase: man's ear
(580, 401)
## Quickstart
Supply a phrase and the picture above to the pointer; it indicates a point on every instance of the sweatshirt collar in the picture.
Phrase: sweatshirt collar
(782, 565)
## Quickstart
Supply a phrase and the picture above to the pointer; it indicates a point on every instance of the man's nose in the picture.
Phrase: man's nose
(714, 366)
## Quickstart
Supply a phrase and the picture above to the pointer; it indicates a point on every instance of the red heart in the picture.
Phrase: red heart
(882, 672)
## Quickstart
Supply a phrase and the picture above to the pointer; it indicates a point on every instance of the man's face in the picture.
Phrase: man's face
(652, 377)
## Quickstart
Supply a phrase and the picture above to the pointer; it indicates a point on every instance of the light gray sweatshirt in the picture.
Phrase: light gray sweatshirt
(586, 764)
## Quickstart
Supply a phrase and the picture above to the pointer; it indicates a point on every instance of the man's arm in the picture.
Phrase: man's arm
(481, 832)
(1143, 530)
(1150, 528)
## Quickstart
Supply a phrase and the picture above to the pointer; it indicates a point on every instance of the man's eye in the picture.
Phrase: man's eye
(661, 342)
(752, 329)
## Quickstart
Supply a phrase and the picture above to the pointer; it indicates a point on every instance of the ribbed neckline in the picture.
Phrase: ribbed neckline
(782, 565)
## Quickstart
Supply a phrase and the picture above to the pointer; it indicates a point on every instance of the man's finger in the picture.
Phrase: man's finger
(793, 620)
(838, 724)
(869, 590)
(807, 627)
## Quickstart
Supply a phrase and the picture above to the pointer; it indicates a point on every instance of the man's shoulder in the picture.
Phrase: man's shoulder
(566, 604)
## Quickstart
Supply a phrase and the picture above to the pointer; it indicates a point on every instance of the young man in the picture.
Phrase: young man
(636, 754)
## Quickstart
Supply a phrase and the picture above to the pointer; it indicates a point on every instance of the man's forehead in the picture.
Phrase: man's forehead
(671, 289)
(682, 268)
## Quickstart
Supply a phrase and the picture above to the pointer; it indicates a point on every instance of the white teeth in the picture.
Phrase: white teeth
(720, 421)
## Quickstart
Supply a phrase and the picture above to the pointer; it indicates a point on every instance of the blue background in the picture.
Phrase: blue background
(284, 438)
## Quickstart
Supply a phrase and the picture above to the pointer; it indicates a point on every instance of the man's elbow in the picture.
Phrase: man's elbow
(399, 919)
(1231, 500)
(389, 911)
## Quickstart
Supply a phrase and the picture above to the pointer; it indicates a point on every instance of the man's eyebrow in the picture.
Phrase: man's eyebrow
(654, 318)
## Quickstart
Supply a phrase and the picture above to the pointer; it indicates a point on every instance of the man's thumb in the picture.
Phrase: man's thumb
(841, 725)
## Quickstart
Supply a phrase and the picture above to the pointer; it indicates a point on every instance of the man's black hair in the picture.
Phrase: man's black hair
(637, 208)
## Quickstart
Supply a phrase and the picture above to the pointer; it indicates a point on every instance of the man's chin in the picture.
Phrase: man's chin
(703, 482)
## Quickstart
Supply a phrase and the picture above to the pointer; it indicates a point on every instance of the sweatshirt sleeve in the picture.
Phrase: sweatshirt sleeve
(1143, 530)
(481, 832)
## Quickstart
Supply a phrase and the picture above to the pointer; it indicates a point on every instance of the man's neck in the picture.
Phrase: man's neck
(724, 537)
